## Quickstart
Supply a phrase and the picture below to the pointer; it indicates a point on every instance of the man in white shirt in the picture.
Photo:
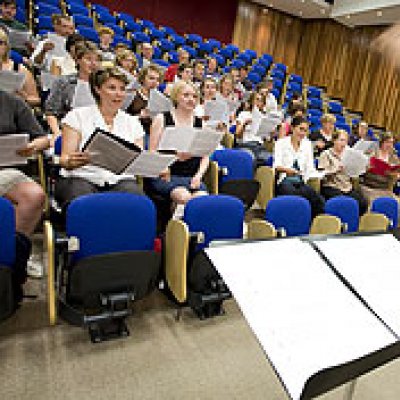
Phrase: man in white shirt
(147, 52)
(43, 54)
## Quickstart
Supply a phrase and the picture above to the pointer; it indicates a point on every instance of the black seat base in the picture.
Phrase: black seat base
(101, 331)
(208, 305)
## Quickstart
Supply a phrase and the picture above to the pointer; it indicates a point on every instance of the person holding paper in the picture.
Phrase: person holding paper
(247, 124)
(28, 90)
(149, 78)
(382, 173)
(127, 62)
(147, 52)
(54, 43)
(208, 92)
(184, 73)
(322, 139)
(70, 91)
(296, 110)
(17, 118)
(78, 176)
(294, 164)
(336, 182)
(106, 36)
(361, 141)
(265, 89)
(184, 179)
(67, 65)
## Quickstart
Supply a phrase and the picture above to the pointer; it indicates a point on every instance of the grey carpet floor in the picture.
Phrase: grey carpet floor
(161, 359)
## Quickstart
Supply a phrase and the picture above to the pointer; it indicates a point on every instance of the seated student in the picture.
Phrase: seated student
(149, 78)
(297, 99)
(245, 137)
(294, 163)
(239, 89)
(336, 182)
(375, 184)
(8, 9)
(185, 74)
(28, 91)
(360, 135)
(106, 36)
(247, 84)
(186, 174)
(63, 95)
(172, 70)
(212, 67)
(198, 72)
(296, 110)
(146, 51)
(127, 63)
(63, 27)
(265, 89)
(28, 197)
(78, 176)
(67, 65)
(208, 91)
(322, 139)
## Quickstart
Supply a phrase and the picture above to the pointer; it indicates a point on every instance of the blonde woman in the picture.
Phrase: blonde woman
(28, 91)
(127, 62)
(186, 174)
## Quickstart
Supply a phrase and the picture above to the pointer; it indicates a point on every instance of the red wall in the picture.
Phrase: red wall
(208, 18)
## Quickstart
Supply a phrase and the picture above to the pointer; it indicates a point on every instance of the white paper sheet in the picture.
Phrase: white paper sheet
(59, 49)
(268, 124)
(47, 80)
(9, 144)
(158, 102)
(217, 111)
(355, 162)
(83, 96)
(371, 265)
(195, 141)
(150, 164)
(365, 146)
(18, 39)
(11, 81)
(303, 316)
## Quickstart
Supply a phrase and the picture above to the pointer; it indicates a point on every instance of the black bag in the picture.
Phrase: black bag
(7, 303)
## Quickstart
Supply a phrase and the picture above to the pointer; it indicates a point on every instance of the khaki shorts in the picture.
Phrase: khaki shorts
(10, 177)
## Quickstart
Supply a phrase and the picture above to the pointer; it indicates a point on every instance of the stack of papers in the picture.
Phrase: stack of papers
(18, 39)
(264, 124)
(59, 45)
(83, 95)
(217, 111)
(355, 162)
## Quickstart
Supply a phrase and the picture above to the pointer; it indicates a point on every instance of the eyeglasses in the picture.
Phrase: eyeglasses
(3, 42)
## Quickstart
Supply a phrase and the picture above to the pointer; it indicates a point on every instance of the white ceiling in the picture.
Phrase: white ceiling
(348, 12)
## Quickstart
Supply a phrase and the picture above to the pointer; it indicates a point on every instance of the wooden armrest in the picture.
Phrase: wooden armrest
(266, 178)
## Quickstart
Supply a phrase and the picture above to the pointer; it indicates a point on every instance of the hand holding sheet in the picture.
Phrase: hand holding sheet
(10, 147)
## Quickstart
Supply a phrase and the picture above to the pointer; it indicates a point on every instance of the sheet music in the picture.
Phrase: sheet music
(83, 95)
(303, 316)
(371, 265)
(150, 164)
(18, 39)
(158, 102)
(365, 146)
(9, 144)
(59, 45)
(217, 111)
(47, 79)
(256, 117)
(355, 162)
(195, 141)
(11, 81)
(268, 124)
(107, 153)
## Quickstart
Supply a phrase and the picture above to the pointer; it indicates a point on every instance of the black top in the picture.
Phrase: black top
(188, 167)
(316, 136)
(137, 105)
(17, 117)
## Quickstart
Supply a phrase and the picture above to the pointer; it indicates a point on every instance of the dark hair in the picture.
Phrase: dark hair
(72, 40)
(294, 108)
(296, 121)
(384, 137)
(144, 71)
(182, 67)
(9, 2)
(99, 77)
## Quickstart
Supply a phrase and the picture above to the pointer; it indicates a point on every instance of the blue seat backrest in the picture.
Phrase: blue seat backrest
(7, 233)
(111, 222)
(46, 9)
(239, 164)
(89, 33)
(346, 208)
(293, 213)
(389, 207)
(217, 216)
(83, 20)
(77, 9)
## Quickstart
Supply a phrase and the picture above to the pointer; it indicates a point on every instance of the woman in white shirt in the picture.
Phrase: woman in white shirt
(208, 92)
(245, 129)
(294, 165)
(79, 177)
